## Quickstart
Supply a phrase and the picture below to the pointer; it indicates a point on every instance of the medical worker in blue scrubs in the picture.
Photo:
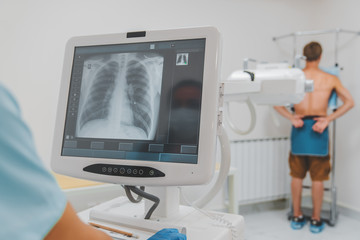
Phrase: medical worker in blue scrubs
(32, 206)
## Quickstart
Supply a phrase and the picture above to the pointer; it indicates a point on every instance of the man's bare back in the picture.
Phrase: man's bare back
(316, 102)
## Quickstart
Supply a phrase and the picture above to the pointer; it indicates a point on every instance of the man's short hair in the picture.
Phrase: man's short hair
(312, 51)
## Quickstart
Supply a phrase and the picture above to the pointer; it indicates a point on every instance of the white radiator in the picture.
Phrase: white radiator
(262, 169)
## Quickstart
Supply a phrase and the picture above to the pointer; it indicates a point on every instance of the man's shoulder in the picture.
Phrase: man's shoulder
(328, 75)
(323, 80)
(322, 75)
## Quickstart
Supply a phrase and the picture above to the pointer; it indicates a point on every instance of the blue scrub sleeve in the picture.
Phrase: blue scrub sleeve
(168, 234)
(31, 202)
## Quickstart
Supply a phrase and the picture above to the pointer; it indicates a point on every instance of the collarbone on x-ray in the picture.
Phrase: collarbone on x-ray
(120, 96)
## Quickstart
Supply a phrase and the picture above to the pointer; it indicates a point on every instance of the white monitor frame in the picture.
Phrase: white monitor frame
(175, 173)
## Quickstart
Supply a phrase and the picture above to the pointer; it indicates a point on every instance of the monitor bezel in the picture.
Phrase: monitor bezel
(175, 173)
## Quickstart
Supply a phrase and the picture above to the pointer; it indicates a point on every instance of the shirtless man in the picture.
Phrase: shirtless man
(314, 104)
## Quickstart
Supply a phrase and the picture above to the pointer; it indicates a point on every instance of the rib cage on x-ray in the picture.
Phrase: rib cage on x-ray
(99, 95)
(120, 96)
(140, 99)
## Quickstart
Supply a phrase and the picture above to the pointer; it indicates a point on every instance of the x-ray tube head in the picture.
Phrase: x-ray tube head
(267, 86)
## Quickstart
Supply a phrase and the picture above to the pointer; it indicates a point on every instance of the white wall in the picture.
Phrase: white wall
(34, 33)
(345, 14)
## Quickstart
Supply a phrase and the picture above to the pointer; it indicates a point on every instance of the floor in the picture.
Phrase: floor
(271, 225)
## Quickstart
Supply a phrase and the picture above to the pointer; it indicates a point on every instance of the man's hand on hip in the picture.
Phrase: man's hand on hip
(297, 121)
(321, 124)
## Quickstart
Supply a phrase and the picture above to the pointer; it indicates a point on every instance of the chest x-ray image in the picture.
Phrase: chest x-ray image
(120, 96)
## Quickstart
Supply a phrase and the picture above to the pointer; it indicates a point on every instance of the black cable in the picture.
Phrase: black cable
(130, 196)
(142, 194)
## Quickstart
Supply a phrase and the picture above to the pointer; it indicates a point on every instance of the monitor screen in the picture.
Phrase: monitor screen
(139, 108)
(139, 101)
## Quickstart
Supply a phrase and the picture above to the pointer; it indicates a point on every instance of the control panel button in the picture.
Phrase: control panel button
(124, 170)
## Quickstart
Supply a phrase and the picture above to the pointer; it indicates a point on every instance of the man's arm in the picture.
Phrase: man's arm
(345, 97)
(71, 227)
(348, 103)
(294, 118)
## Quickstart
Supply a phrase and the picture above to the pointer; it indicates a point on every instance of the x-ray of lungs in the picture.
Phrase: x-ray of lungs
(120, 96)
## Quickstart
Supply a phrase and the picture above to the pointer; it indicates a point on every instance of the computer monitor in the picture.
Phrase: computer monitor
(139, 108)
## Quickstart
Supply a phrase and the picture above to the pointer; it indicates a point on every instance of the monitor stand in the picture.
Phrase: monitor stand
(123, 214)
(169, 201)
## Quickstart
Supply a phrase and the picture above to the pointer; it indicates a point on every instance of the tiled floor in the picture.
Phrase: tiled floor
(273, 225)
